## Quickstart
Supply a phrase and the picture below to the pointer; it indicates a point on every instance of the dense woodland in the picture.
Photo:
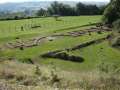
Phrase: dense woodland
(61, 9)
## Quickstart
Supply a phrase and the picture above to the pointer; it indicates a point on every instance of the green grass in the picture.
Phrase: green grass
(96, 54)
(66, 42)
(10, 29)
(60, 43)
(92, 54)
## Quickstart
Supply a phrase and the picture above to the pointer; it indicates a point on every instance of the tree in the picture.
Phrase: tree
(54, 9)
(61, 9)
(16, 17)
(42, 12)
(112, 12)
(116, 25)
(112, 17)
(102, 8)
(81, 9)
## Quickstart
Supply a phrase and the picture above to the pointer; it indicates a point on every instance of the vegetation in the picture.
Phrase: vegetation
(56, 9)
(105, 77)
(56, 43)
(112, 16)
(61, 9)
(12, 29)
(112, 12)
(116, 25)
(66, 52)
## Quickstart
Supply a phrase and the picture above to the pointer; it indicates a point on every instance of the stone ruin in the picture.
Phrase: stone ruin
(88, 44)
(63, 56)
(36, 41)
(89, 31)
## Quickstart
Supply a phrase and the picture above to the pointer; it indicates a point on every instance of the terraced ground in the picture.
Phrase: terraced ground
(56, 36)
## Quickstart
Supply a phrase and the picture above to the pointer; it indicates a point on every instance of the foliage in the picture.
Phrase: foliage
(42, 12)
(116, 25)
(13, 76)
(112, 17)
(83, 9)
(57, 8)
(91, 54)
(109, 68)
(38, 71)
(112, 12)
(61, 9)
(116, 42)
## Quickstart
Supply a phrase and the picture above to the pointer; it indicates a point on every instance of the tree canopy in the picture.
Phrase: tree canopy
(112, 12)
(61, 9)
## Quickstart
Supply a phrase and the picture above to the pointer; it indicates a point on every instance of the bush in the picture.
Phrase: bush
(27, 60)
(99, 32)
(7, 74)
(16, 17)
(116, 42)
(116, 25)
(38, 71)
(29, 81)
(109, 68)
(112, 12)
(54, 77)
(21, 48)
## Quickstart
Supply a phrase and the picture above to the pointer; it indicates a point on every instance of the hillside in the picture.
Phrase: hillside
(66, 47)
(43, 35)
(42, 53)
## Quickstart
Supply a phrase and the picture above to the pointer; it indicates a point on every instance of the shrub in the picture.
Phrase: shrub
(21, 48)
(29, 81)
(54, 77)
(99, 32)
(116, 25)
(16, 17)
(38, 71)
(27, 60)
(20, 77)
(116, 42)
(112, 12)
(7, 74)
(109, 68)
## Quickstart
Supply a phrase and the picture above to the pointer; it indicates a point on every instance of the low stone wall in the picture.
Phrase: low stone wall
(88, 31)
(88, 44)
(37, 41)
(63, 56)
(37, 26)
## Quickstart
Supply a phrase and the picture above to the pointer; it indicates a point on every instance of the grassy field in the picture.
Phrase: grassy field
(11, 29)
(99, 69)
(93, 54)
